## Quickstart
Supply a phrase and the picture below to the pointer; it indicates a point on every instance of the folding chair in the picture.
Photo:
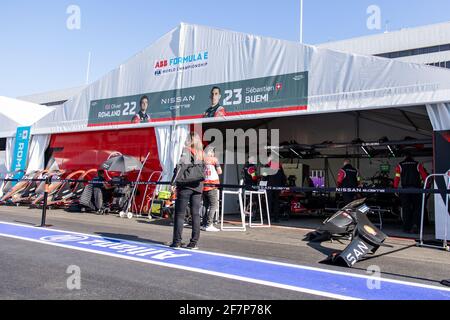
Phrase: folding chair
(241, 209)
(259, 194)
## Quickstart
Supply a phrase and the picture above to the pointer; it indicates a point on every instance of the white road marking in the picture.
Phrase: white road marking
(197, 270)
(347, 274)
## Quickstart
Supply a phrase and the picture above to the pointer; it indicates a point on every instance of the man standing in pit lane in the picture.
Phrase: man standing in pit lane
(411, 174)
(348, 177)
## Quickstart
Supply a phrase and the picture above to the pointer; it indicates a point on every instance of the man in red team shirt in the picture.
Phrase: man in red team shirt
(211, 193)
(215, 110)
(348, 177)
(142, 116)
(411, 174)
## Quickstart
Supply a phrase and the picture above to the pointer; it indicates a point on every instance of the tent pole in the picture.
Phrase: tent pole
(301, 21)
(357, 136)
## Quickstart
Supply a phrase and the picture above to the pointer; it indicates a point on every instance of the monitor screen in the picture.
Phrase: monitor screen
(385, 168)
(319, 182)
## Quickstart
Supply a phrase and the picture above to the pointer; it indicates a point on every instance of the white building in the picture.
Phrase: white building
(53, 98)
(426, 45)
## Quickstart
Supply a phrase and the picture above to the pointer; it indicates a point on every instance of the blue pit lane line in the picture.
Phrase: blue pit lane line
(315, 281)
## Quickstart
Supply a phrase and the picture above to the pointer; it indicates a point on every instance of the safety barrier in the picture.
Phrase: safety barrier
(272, 188)
(445, 245)
(240, 189)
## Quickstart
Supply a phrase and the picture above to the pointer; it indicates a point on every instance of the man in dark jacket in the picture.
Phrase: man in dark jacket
(275, 177)
(348, 177)
(411, 174)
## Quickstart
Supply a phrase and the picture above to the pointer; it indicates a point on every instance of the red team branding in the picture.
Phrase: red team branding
(161, 64)
(192, 61)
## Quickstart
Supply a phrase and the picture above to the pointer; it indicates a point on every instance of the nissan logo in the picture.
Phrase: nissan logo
(64, 238)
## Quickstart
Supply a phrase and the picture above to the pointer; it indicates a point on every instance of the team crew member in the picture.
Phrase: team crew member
(275, 177)
(100, 189)
(348, 177)
(142, 116)
(411, 174)
(249, 172)
(211, 193)
(188, 193)
(215, 110)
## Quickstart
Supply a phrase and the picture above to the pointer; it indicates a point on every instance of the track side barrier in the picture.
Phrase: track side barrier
(272, 188)
(362, 190)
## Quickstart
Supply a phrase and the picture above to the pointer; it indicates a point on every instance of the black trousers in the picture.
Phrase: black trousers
(274, 203)
(211, 204)
(187, 197)
(411, 205)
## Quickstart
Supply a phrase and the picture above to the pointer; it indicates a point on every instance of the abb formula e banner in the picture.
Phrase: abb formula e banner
(287, 92)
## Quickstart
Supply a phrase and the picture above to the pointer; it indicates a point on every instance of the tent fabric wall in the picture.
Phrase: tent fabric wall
(6, 159)
(171, 140)
(16, 113)
(337, 81)
(88, 150)
(9, 152)
(36, 155)
(440, 116)
(3, 168)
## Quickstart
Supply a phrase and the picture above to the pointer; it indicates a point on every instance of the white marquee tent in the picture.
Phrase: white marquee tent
(337, 81)
(16, 113)
(178, 67)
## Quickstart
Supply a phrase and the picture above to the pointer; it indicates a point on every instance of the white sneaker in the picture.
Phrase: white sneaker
(211, 229)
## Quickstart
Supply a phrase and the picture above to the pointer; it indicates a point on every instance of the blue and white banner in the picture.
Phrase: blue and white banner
(20, 156)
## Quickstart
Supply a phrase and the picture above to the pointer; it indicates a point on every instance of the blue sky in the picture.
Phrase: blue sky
(38, 53)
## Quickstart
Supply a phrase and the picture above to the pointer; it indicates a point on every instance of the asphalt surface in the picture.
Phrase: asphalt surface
(37, 271)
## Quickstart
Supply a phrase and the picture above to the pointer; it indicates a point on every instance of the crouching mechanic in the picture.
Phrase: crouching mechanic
(211, 193)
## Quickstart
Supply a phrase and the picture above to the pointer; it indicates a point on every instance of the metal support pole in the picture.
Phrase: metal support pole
(44, 210)
(44, 206)
(358, 133)
(301, 21)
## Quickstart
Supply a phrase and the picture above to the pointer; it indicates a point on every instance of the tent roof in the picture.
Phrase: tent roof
(16, 113)
(337, 81)
(53, 98)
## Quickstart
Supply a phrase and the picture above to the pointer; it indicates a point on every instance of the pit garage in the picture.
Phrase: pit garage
(314, 147)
